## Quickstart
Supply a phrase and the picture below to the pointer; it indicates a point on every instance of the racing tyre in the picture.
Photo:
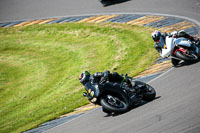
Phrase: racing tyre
(113, 104)
(190, 58)
(150, 93)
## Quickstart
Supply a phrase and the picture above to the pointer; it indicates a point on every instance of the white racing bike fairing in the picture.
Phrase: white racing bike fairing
(182, 42)
(170, 42)
(169, 45)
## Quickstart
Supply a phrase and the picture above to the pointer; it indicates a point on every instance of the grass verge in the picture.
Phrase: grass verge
(40, 64)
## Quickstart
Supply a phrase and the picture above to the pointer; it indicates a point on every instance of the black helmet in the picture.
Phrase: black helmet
(156, 36)
(84, 77)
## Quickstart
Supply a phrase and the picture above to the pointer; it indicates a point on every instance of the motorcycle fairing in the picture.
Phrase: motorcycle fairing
(182, 42)
(185, 43)
(169, 45)
(116, 89)
(92, 89)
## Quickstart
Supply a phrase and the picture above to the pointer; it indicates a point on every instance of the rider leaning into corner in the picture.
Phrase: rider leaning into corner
(102, 77)
(99, 77)
(160, 40)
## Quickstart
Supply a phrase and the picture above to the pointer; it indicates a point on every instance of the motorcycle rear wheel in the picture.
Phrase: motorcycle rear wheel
(191, 58)
(150, 93)
(116, 105)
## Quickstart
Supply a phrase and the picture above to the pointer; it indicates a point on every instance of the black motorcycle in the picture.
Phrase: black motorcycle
(118, 97)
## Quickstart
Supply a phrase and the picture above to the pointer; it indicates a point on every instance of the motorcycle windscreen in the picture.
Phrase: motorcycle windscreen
(92, 89)
(87, 86)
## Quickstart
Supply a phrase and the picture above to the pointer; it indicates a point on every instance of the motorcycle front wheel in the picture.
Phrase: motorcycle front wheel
(113, 104)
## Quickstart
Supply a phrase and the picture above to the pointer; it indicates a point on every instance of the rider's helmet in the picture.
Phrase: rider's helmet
(84, 77)
(156, 36)
(158, 39)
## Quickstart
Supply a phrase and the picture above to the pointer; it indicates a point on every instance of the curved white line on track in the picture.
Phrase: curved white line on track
(160, 75)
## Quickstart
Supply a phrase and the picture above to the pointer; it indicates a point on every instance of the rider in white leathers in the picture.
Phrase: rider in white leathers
(164, 42)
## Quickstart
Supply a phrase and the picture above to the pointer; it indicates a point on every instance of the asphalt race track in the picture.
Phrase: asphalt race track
(176, 109)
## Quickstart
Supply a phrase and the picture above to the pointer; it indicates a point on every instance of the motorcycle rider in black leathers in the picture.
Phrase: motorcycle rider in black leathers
(102, 77)
(159, 38)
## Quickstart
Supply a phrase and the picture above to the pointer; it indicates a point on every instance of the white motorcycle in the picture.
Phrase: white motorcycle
(181, 49)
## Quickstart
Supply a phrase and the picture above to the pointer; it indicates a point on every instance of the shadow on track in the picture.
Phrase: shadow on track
(185, 63)
(139, 104)
(112, 2)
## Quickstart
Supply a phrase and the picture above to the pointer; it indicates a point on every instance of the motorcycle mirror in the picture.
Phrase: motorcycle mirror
(84, 94)
(126, 75)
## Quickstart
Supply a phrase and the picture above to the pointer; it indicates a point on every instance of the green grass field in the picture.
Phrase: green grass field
(40, 65)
